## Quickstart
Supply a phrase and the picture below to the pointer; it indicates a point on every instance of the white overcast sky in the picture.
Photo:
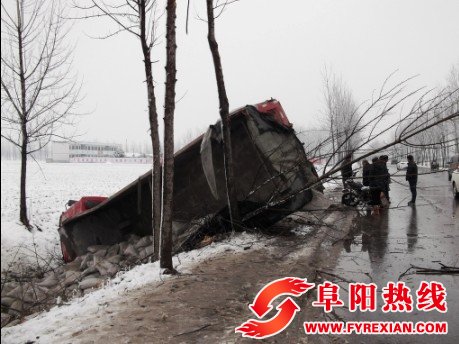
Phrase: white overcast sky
(269, 49)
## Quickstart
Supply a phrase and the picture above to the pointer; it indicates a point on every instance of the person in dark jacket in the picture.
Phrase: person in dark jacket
(412, 178)
(366, 172)
(376, 182)
(384, 159)
(346, 168)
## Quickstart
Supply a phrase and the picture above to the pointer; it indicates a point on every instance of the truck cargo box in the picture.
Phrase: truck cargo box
(271, 169)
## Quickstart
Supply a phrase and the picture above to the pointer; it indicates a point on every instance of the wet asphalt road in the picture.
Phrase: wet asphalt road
(383, 247)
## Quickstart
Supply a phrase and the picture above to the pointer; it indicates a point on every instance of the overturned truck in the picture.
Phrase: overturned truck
(271, 172)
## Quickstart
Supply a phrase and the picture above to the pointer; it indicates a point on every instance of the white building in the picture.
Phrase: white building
(94, 150)
(72, 151)
(59, 151)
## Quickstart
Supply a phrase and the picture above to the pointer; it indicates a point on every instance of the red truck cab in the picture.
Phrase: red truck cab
(274, 108)
(75, 208)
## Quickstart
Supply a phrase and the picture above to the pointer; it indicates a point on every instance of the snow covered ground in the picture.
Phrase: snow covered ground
(61, 321)
(49, 187)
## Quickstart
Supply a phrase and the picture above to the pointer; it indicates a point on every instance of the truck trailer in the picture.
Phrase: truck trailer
(272, 179)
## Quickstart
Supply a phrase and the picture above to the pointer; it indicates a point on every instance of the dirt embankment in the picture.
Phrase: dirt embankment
(206, 305)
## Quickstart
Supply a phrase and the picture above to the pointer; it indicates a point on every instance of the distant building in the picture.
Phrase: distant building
(59, 152)
(87, 152)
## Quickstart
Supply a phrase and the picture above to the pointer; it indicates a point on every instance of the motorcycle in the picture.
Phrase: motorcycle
(355, 194)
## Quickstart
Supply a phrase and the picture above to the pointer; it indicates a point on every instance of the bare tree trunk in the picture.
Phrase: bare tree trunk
(224, 115)
(168, 165)
(444, 149)
(23, 196)
(156, 173)
(332, 131)
(154, 133)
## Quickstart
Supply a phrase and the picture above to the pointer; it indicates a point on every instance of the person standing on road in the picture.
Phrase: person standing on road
(366, 172)
(386, 178)
(412, 178)
(376, 183)
(346, 168)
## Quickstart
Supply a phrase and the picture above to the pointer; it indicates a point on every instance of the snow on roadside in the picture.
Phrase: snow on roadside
(61, 322)
(49, 187)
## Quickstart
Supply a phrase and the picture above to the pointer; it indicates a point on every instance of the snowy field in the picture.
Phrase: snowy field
(49, 187)
(59, 322)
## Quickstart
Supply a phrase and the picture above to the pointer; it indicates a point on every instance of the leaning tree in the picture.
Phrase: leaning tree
(230, 180)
